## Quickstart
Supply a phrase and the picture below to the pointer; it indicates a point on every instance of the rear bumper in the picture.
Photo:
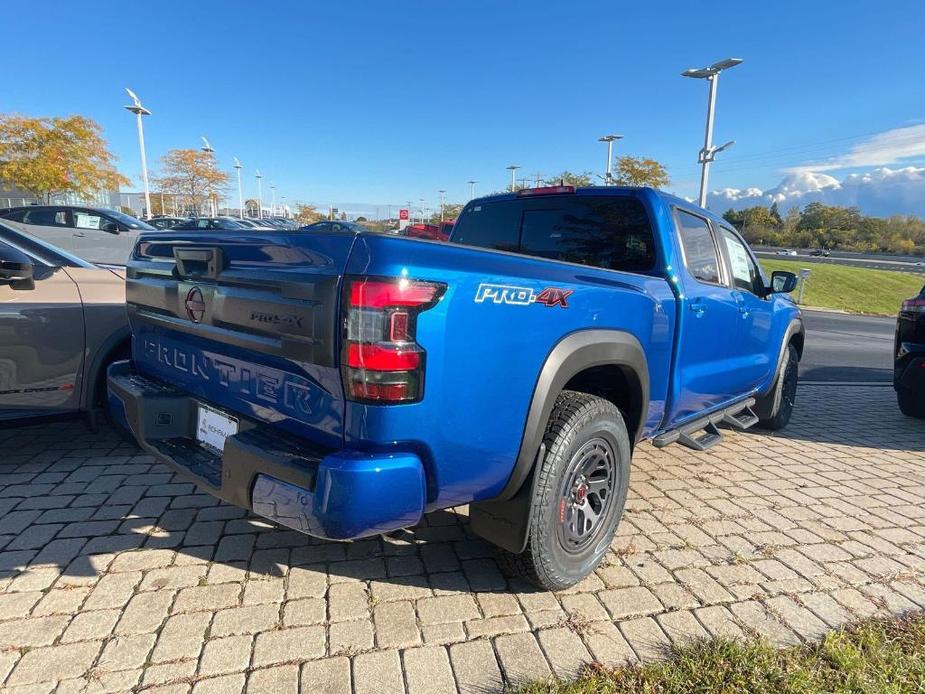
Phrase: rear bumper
(332, 494)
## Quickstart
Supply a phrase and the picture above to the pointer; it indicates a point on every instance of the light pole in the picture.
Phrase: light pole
(513, 169)
(259, 196)
(207, 148)
(609, 139)
(272, 199)
(140, 111)
(442, 202)
(422, 210)
(472, 189)
(237, 166)
(709, 152)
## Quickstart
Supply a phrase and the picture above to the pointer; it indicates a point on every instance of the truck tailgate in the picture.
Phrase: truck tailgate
(248, 323)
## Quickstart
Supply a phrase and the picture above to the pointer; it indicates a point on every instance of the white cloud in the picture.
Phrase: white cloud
(885, 148)
(880, 192)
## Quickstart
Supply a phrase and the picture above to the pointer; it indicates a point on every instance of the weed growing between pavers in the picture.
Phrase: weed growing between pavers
(873, 656)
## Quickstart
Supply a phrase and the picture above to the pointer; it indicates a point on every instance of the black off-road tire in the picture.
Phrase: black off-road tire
(911, 404)
(580, 427)
(783, 395)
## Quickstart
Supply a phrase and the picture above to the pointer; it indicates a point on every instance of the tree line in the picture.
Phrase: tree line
(829, 227)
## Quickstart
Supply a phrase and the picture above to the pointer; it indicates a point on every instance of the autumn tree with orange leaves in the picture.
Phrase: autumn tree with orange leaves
(48, 156)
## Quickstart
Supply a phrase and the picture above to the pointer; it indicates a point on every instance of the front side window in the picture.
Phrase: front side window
(745, 272)
(83, 219)
(699, 249)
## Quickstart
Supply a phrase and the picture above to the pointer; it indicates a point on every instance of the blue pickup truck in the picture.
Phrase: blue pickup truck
(344, 384)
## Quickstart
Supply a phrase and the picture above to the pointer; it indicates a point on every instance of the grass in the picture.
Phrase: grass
(852, 289)
(882, 656)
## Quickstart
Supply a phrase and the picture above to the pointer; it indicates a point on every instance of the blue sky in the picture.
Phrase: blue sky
(388, 102)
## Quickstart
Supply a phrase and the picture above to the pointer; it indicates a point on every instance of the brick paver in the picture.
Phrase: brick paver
(117, 574)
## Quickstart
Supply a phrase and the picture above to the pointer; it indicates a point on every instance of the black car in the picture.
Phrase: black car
(821, 253)
(166, 222)
(210, 224)
(909, 357)
(349, 227)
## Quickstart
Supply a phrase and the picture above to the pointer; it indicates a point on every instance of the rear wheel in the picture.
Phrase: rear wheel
(579, 492)
(784, 393)
(911, 404)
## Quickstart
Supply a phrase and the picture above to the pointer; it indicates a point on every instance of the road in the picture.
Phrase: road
(847, 348)
(855, 260)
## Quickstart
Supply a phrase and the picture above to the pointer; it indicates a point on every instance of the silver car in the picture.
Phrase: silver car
(94, 234)
(62, 322)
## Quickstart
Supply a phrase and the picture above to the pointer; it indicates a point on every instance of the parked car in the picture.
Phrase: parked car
(210, 224)
(820, 252)
(426, 231)
(336, 226)
(909, 356)
(62, 322)
(255, 224)
(166, 222)
(94, 234)
(345, 384)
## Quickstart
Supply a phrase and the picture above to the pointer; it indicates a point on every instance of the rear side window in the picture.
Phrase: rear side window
(699, 248)
(606, 232)
(46, 217)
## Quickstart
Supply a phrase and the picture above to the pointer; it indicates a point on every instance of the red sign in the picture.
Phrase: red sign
(403, 215)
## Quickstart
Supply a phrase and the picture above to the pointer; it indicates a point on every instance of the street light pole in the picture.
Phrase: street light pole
(237, 166)
(259, 196)
(207, 148)
(442, 202)
(472, 189)
(140, 111)
(709, 152)
(513, 169)
(609, 139)
(422, 210)
(272, 199)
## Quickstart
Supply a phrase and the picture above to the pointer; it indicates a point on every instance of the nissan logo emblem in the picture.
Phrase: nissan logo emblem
(195, 304)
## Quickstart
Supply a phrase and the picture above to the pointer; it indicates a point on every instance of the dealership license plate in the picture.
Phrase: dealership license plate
(214, 427)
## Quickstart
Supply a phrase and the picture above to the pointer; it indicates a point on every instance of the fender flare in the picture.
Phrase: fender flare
(505, 519)
(100, 361)
(794, 328)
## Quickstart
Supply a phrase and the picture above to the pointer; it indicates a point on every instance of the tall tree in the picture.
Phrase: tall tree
(450, 212)
(192, 175)
(306, 214)
(569, 178)
(56, 155)
(638, 171)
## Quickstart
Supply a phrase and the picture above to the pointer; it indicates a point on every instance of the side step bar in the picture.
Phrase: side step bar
(738, 416)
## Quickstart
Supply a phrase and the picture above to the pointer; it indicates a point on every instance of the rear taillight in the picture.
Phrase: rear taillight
(913, 306)
(382, 362)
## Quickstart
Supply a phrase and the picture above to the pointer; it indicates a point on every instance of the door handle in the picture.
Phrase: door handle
(698, 308)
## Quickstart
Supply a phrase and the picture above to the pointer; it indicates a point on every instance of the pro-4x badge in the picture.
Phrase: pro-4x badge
(522, 296)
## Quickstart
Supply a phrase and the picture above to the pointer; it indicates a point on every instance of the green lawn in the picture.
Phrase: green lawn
(857, 290)
(875, 657)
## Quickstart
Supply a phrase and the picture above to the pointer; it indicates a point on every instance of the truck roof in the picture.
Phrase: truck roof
(640, 191)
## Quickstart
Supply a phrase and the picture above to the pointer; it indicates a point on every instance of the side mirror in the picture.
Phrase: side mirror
(783, 282)
(110, 226)
(15, 268)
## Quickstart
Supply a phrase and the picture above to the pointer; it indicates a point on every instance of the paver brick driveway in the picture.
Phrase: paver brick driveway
(117, 575)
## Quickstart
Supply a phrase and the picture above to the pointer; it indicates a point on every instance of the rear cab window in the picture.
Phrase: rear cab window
(609, 232)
